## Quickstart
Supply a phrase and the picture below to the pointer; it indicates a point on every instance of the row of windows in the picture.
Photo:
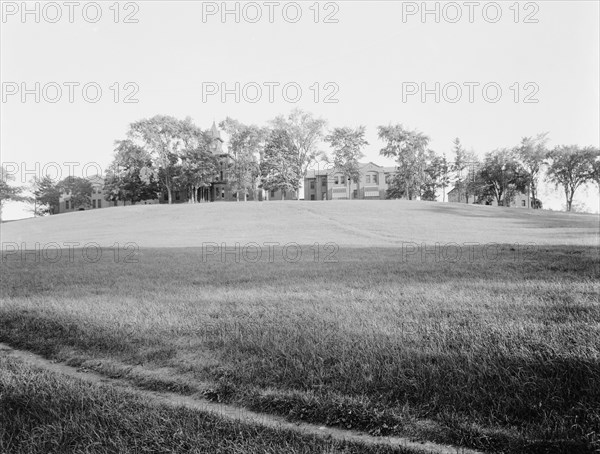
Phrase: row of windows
(95, 204)
(342, 180)
(178, 195)
(337, 180)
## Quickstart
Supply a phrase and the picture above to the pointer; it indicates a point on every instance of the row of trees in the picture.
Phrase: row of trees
(164, 154)
(499, 176)
(43, 193)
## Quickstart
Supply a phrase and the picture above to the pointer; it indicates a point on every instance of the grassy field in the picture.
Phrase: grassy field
(385, 332)
(41, 412)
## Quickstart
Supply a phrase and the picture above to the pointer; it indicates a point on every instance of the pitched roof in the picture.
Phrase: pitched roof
(214, 132)
(362, 165)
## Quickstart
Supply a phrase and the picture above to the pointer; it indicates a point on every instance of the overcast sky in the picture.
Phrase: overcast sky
(369, 56)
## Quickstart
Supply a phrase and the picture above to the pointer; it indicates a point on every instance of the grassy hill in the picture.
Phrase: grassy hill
(349, 223)
(497, 352)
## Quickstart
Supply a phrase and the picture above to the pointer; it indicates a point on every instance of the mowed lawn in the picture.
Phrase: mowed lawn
(384, 330)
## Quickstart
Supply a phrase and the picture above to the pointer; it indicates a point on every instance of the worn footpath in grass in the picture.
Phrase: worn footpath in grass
(42, 412)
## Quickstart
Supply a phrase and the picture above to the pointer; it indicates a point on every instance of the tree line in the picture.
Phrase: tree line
(163, 154)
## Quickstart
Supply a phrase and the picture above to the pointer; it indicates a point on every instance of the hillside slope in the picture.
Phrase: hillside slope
(357, 223)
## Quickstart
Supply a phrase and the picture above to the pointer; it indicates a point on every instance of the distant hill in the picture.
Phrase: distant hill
(350, 223)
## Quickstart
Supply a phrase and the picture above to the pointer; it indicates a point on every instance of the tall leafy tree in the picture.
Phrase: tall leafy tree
(459, 165)
(246, 143)
(347, 144)
(444, 174)
(532, 152)
(129, 177)
(78, 190)
(161, 137)
(198, 165)
(47, 196)
(305, 132)
(596, 168)
(571, 166)
(409, 149)
(9, 191)
(501, 176)
(464, 169)
(279, 166)
(436, 176)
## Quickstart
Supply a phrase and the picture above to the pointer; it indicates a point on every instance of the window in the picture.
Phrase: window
(523, 203)
(312, 184)
(177, 195)
(312, 197)
(166, 197)
(99, 203)
(368, 179)
(94, 203)
(324, 182)
(67, 205)
(374, 178)
(222, 193)
(336, 180)
(272, 192)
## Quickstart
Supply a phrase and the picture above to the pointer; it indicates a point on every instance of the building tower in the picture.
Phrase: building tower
(216, 145)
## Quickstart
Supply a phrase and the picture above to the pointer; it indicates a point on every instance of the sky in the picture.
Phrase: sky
(355, 63)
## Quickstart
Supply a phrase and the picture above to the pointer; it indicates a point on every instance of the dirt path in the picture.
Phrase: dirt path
(230, 411)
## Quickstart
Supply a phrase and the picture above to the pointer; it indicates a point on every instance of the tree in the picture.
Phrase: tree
(347, 143)
(305, 132)
(570, 166)
(160, 136)
(532, 151)
(501, 176)
(409, 149)
(198, 164)
(47, 196)
(9, 192)
(246, 143)
(595, 176)
(443, 167)
(129, 177)
(79, 191)
(436, 176)
(279, 166)
(463, 160)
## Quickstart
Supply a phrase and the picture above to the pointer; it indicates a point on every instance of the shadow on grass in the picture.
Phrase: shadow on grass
(502, 391)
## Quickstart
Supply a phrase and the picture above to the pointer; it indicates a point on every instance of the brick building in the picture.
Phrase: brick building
(330, 184)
